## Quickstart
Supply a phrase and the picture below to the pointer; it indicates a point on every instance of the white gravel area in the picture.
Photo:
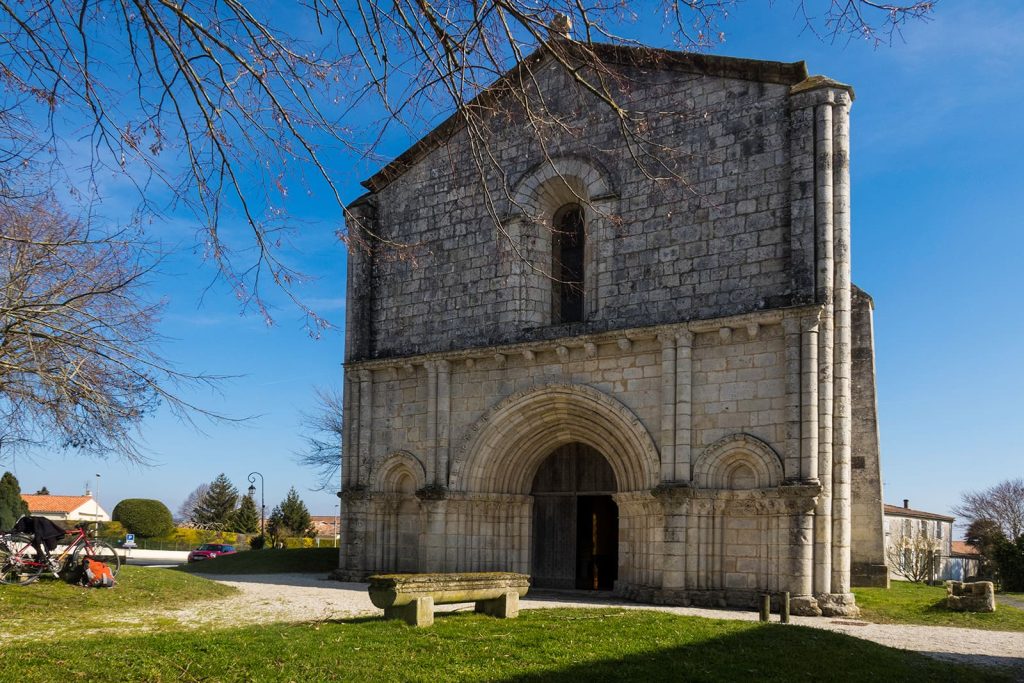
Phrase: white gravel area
(305, 597)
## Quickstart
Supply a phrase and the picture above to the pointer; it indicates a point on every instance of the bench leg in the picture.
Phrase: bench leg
(419, 612)
(505, 607)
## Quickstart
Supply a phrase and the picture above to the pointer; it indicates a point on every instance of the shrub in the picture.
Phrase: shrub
(114, 530)
(257, 542)
(194, 537)
(1009, 557)
(144, 517)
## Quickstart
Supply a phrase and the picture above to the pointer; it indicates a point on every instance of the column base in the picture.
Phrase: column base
(838, 605)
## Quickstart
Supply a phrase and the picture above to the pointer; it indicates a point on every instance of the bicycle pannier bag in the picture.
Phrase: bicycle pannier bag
(96, 574)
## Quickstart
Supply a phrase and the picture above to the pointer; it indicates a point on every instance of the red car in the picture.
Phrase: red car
(208, 551)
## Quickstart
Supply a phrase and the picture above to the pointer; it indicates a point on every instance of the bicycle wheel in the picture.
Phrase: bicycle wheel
(18, 565)
(102, 552)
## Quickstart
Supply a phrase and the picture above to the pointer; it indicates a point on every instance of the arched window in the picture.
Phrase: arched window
(567, 264)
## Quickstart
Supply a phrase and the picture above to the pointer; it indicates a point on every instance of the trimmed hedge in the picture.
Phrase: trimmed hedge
(144, 517)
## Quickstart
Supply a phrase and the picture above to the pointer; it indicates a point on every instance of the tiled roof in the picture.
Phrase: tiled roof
(900, 511)
(964, 548)
(54, 503)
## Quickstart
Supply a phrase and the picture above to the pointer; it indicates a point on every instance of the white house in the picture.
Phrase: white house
(903, 524)
(65, 509)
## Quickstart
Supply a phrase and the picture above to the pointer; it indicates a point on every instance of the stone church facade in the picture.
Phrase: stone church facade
(661, 389)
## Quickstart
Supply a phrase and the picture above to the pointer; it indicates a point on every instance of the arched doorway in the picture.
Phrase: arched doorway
(575, 521)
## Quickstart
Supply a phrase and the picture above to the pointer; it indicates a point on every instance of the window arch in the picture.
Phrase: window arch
(567, 264)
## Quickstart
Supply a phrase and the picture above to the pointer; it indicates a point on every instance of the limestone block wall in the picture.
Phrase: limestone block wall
(716, 244)
(868, 552)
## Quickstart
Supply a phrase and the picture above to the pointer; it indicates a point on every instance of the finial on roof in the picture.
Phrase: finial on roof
(560, 27)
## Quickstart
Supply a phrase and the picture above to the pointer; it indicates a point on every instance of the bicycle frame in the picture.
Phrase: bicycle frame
(81, 538)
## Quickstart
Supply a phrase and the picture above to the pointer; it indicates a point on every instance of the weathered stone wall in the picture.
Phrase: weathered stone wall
(714, 243)
(868, 552)
(738, 385)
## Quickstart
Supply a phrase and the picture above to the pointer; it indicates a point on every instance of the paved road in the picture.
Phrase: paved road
(155, 557)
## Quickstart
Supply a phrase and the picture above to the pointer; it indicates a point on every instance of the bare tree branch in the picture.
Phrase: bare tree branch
(79, 360)
(1002, 504)
(214, 108)
(323, 429)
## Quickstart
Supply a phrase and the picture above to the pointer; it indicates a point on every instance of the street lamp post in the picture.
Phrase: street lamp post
(96, 505)
(252, 492)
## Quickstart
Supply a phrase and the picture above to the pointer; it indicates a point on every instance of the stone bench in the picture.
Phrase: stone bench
(412, 596)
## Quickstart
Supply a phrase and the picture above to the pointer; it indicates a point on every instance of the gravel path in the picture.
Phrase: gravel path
(306, 597)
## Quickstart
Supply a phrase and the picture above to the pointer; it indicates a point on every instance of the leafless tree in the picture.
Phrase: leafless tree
(323, 427)
(225, 109)
(914, 556)
(1002, 504)
(79, 360)
(188, 507)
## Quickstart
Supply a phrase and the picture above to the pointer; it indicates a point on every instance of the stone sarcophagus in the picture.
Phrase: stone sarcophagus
(412, 597)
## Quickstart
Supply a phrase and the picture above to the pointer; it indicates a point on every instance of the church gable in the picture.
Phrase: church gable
(699, 229)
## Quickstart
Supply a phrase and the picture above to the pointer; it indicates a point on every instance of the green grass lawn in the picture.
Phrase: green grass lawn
(306, 560)
(541, 645)
(53, 606)
(915, 603)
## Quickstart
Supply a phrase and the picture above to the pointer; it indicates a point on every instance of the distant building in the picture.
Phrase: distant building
(63, 509)
(964, 561)
(902, 523)
(326, 526)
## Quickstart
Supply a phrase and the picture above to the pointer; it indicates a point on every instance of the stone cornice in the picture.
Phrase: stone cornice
(588, 342)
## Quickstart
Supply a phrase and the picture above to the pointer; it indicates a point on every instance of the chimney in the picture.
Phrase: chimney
(906, 503)
(560, 27)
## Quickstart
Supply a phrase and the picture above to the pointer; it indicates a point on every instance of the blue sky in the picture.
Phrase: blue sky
(936, 174)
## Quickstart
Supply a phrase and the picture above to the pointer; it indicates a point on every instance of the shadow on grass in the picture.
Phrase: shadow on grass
(781, 653)
(292, 579)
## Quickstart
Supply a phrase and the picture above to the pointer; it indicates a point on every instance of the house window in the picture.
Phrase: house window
(567, 264)
(907, 528)
(938, 529)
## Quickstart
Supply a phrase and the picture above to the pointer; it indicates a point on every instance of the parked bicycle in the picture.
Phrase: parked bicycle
(21, 563)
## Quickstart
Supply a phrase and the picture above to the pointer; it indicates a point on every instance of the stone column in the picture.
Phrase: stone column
(825, 285)
(791, 464)
(597, 248)
(356, 511)
(673, 502)
(430, 428)
(443, 422)
(350, 433)
(842, 428)
(365, 426)
(668, 406)
(809, 400)
(684, 405)
(433, 542)
(361, 221)
(801, 195)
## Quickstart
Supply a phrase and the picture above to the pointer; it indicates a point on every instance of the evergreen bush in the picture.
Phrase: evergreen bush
(144, 517)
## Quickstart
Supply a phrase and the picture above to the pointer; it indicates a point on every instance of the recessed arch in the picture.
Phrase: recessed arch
(557, 181)
(504, 449)
(738, 461)
(398, 472)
